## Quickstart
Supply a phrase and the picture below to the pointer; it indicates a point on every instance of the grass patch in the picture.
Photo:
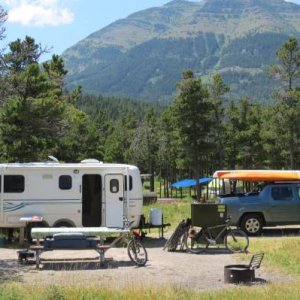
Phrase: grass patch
(282, 253)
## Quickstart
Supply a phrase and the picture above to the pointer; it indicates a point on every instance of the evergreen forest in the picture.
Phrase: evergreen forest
(196, 134)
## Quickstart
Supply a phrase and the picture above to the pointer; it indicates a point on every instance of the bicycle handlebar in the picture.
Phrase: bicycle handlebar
(228, 219)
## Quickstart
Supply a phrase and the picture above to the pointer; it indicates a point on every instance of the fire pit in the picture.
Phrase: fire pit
(238, 274)
(243, 273)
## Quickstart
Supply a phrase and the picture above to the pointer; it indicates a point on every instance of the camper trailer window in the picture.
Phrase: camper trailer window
(65, 182)
(114, 186)
(130, 183)
(14, 184)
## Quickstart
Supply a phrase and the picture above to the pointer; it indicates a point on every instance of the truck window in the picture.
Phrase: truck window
(13, 183)
(282, 193)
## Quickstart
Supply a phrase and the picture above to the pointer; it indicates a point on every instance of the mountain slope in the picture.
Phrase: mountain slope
(144, 55)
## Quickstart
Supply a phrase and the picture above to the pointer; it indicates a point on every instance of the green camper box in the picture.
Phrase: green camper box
(204, 214)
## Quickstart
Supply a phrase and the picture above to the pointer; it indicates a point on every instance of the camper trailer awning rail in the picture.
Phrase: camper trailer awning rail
(102, 232)
(31, 219)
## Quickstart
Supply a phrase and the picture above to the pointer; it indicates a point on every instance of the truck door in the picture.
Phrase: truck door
(114, 200)
(284, 204)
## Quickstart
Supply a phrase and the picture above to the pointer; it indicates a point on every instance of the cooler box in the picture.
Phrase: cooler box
(204, 215)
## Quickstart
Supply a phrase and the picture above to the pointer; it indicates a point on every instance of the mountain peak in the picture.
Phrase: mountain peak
(177, 2)
(218, 5)
(143, 55)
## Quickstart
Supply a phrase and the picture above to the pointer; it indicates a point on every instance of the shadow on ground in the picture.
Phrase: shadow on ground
(150, 242)
(207, 251)
(255, 282)
(10, 270)
(75, 266)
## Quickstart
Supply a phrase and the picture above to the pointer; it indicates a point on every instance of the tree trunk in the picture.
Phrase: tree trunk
(152, 183)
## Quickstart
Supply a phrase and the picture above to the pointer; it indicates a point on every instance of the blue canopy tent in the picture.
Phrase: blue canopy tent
(191, 182)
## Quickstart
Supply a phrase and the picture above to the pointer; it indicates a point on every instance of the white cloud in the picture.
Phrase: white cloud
(38, 12)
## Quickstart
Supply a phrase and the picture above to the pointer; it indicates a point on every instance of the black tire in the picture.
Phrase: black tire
(236, 240)
(195, 241)
(137, 252)
(252, 224)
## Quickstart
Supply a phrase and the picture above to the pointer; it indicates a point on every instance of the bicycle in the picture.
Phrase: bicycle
(136, 250)
(196, 239)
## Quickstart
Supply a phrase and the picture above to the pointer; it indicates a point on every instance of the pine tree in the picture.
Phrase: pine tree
(192, 120)
(217, 90)
(287, 71)
(37, 118)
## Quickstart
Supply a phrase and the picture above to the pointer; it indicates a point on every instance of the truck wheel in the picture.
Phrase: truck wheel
(252, 224)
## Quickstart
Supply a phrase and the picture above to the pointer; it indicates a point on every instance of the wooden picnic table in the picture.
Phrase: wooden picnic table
(98, 234)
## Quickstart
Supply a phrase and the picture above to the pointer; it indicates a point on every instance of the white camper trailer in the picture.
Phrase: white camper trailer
(86, 194)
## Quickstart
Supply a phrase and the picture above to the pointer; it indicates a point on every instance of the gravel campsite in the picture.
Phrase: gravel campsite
(202, 272)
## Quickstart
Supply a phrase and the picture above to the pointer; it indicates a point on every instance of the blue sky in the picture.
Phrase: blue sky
(59, 24)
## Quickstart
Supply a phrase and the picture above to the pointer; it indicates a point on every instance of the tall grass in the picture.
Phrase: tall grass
(264, 292)
(16, 292)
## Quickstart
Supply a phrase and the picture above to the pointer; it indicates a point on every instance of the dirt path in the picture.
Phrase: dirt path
(180, 269)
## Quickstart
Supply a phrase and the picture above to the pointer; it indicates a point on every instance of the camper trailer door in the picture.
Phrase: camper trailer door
(114, 198)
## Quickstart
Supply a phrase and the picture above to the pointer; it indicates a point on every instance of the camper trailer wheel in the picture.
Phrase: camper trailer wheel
(63, 224)
(137, 252)
(32, 225)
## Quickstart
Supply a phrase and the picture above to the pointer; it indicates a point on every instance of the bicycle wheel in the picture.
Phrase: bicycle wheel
(236, 240)
(195, 241)
(137, 252)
